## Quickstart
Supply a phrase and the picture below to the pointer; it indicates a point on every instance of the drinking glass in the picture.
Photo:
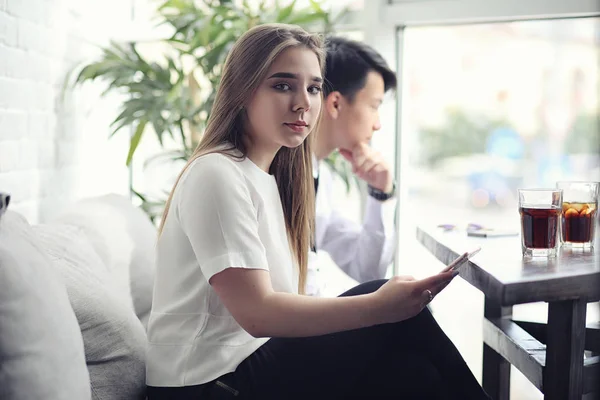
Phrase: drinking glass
(579, 212)
(540, 211)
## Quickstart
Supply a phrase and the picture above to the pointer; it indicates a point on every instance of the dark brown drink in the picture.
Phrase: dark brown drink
(539, 227)
(578, 222)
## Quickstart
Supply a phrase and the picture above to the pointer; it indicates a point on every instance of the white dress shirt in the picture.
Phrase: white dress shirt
(364, 252)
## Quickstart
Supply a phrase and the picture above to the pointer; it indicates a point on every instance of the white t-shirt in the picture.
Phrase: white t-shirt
(224, 213)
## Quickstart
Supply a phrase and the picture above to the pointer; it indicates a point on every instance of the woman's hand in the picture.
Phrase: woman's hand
(403, 297)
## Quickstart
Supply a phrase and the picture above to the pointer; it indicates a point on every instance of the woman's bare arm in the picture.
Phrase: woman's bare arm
(262, 312)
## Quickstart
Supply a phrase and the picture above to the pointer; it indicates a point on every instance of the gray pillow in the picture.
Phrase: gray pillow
(142, 267)
(107, 234)
(113, 219)
(114, 338)
(41, 349)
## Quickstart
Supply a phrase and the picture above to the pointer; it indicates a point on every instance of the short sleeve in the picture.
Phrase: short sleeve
(217, 215)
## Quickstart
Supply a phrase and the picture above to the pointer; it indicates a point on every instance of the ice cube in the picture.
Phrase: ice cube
(578, 206)
(588, 211)
(571, 212)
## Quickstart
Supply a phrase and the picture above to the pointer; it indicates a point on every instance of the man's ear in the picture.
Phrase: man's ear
(333, 104)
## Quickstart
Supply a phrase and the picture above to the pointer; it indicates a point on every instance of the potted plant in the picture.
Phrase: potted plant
(173, 96)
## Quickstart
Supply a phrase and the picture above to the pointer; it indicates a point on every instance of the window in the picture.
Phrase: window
(489, 108)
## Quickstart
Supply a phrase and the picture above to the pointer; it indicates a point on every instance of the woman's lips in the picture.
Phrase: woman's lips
(296, 128)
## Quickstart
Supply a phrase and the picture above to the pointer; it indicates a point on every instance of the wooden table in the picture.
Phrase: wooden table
(550, 355)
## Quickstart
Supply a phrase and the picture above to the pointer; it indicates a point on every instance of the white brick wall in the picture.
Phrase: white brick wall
(53, 152)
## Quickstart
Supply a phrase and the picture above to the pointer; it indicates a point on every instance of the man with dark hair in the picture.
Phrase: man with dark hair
(356, 80)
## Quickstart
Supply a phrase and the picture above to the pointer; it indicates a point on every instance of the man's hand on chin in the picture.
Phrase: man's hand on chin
(370, 166)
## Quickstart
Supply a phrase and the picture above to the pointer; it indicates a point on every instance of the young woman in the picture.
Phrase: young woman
(228, 317)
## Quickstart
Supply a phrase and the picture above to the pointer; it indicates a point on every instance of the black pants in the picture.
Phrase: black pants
(412, 359)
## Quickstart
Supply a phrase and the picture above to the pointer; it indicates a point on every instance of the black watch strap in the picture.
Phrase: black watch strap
(380, 194)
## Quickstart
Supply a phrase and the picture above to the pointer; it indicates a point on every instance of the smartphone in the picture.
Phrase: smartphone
(460, 261)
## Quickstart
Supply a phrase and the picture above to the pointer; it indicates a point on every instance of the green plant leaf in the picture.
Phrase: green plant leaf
(214, 56)
(316, 6)
(305, 20)
(138, 194)
(177, 4)
(342, 168)
(135, 141)
(285, 12)
(161, 90)
(124, 119)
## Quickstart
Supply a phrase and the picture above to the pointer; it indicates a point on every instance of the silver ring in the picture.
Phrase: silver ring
(429, 294)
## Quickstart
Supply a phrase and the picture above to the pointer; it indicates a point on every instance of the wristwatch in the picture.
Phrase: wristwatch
(380, 194)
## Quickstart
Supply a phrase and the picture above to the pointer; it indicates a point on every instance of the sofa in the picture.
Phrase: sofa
(75, 297)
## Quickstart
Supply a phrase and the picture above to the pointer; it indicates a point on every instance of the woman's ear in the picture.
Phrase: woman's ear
(333, 104)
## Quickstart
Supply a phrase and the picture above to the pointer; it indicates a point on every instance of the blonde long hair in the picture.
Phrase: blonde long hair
(245, 68)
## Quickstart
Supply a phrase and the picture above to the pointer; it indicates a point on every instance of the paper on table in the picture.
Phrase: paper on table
(485, 233)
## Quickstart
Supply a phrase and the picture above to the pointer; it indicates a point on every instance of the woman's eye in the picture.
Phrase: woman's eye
(284, 87)
(314, 89)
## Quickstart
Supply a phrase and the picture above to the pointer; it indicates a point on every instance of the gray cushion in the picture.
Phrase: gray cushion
(114, 338)
(108, 236)
(41, 349)
(125, 239)
(142, 266)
